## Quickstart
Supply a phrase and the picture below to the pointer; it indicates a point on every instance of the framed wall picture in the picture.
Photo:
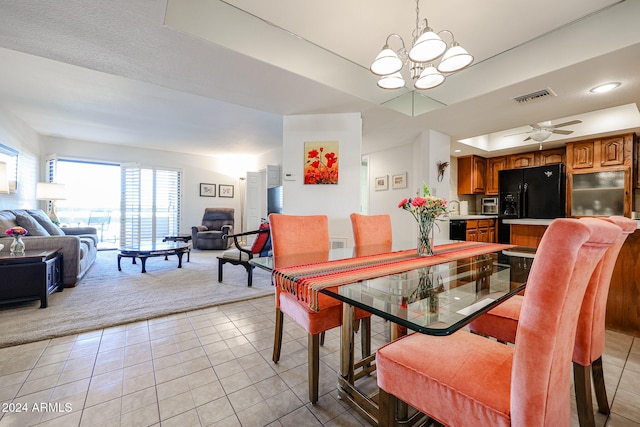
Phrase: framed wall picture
(399, 180)
(225, 190)
(321, 162)
(207, 190)
(382, 183)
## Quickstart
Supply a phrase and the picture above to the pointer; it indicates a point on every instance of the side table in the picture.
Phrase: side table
(32, 276)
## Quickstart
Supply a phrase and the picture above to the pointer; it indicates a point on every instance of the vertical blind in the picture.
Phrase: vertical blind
(150, 204)
(149, 201)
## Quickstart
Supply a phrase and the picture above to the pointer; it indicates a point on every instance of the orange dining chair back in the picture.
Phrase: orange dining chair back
(372, 234)
(502, 323)
(590, 335)
(468, 380)
(301, 240)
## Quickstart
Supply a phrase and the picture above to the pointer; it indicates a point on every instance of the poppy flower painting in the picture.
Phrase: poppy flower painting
(321, 162)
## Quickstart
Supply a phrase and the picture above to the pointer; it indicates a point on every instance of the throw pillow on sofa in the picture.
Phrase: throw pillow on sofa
(46, 223)
(33, 227)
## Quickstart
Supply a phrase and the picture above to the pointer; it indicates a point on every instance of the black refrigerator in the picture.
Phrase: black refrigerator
(537, 192)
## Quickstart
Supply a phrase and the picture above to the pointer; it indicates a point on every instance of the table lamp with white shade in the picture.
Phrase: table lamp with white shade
(51, 191)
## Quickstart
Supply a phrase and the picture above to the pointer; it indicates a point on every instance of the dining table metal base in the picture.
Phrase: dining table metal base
(352, 370)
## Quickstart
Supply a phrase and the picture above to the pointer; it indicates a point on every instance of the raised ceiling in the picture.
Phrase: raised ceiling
(215, 77)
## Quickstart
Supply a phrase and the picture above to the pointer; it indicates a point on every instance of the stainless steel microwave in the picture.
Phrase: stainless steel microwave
(489, 206)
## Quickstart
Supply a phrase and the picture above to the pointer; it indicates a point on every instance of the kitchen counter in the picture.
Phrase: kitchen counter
(534, 221)
(454, 217)
(527, 221)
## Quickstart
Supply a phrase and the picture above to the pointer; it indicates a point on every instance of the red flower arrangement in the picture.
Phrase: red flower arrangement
(16, 231)
(425, 210)
(321, 168)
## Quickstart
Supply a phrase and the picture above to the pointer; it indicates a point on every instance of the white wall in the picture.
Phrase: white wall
(16, 134)
(419, 159)
(196, 170)
(336, 201)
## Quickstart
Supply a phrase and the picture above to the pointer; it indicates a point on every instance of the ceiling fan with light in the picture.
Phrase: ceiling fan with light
(541, 131)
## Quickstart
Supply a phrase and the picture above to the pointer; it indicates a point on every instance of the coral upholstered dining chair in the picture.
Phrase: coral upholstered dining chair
(372, 233)
(502, 323)
(302, 240)
(466, 379)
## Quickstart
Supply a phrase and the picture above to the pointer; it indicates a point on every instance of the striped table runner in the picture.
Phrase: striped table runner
(305, 281)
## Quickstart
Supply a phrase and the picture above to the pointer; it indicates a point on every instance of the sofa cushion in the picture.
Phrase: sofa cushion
(45, 222)
(33, 227)
(7, 220)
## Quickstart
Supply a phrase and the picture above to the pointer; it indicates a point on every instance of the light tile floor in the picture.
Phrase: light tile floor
(212, 367)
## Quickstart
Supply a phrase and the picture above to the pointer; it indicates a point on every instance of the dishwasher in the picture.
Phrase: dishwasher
(458, 229)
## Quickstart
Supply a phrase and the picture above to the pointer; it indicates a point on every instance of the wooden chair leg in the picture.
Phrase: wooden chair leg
(365, 336)
(314, 366)
(277, 338)
(386, 409)
(322, 338)
(582, 385)
(598, 384)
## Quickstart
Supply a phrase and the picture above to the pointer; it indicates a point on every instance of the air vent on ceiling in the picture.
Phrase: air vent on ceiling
(534, 95)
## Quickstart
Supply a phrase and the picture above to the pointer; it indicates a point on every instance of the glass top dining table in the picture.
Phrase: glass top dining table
(439, 299)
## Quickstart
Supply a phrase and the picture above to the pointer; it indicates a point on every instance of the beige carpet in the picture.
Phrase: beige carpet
(108, 297)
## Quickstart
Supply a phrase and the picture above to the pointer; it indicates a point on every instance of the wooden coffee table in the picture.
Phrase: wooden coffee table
(145, 251)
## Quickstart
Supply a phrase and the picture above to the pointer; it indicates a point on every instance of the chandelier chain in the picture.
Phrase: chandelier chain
(417, 30)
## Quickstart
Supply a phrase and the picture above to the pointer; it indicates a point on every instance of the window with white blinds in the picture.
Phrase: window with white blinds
(150, 204)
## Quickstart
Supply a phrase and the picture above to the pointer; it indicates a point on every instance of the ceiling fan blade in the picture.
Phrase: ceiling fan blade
(562, 132)
(572, 122)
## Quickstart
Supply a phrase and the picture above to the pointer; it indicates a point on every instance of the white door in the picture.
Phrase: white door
(254, 201)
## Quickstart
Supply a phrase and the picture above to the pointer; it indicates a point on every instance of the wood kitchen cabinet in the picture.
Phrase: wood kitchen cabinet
(600, 153)
(551, 156)
(527, 235)
(481, 230)
(472, 172)
(623, 304)
(523, 160)
(599, 176)
(494, 165)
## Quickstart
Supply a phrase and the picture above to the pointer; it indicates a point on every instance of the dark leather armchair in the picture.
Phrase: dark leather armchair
(216, 223)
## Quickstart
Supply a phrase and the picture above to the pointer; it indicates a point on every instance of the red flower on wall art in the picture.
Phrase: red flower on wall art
(321, 162)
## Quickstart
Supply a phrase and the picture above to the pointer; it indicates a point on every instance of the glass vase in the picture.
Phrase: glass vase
(427, 290)
(17, 246)
(425, 238)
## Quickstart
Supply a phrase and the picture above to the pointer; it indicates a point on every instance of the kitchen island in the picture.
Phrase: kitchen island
(623, 304)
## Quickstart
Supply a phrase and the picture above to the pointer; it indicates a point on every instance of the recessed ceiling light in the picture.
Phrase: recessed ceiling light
(457, 151)
(605, 87)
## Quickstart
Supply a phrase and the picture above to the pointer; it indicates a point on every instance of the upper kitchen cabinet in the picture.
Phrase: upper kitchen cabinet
(471, 174)
(523, 160)
(599, 176)
(600, 153)
(494, 165)
(550, 157)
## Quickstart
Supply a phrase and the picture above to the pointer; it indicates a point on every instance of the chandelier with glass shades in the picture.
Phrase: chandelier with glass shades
(428, 49)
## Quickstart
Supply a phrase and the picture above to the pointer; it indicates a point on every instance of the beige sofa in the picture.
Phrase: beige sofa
(79, 245)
